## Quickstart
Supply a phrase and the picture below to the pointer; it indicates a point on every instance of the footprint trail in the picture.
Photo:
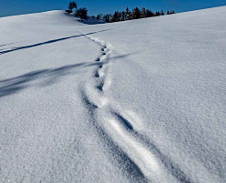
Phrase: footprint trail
(146, 162)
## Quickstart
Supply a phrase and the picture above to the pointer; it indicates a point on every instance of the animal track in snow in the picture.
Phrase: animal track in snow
(88, 102)
(100, 66)
(119, 131)
(97, 74)
(100, 86)
(124, 127)
(124, 121)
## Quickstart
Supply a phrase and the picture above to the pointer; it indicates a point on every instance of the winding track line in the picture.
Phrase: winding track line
(147, 163)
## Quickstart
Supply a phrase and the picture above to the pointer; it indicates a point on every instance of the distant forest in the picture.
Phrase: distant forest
(136, 13)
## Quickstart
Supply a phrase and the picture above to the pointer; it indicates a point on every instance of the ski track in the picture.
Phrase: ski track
(140, 158)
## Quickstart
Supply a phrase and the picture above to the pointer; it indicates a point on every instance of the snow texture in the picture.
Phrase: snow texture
(136, 101)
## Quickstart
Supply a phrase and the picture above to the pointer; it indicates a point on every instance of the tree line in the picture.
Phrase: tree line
(136, 13)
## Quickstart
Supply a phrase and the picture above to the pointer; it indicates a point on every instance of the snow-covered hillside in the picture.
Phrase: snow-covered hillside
(135, 101)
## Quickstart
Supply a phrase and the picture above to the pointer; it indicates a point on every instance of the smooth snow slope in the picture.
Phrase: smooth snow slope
(134, 101)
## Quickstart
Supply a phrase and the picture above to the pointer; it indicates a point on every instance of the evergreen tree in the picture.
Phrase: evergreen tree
(157, 13)
(82, 13)
(107, 17)
(162, 12)
(143, 13)
(99, 16)
(127, 10)
(172, 12)
(123, 15)
(115, 17)
(72, 5)
(136, 13)
(149, 13)
(128, 14)
(119, 16)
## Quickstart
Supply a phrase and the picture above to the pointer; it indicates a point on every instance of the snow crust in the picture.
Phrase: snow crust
(136, 101)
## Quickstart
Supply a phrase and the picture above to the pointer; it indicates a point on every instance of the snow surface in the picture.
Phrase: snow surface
(135, 101)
